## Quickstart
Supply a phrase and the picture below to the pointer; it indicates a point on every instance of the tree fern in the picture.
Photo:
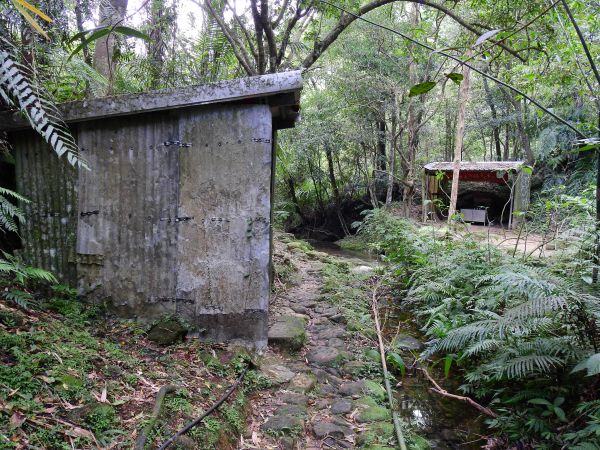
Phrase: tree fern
(18, 89)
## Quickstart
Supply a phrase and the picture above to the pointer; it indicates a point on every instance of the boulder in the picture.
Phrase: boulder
(167, 332)
(288, 332)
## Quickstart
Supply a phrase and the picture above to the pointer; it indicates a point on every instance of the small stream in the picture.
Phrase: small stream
(444, 422)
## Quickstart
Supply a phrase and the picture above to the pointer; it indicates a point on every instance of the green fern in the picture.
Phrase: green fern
(22, 273)
(10, 214)
(18, 89)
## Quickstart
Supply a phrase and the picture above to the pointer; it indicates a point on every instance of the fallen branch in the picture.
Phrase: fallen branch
(439, 390)
(210, 410)
(160, 397)
(386, 377)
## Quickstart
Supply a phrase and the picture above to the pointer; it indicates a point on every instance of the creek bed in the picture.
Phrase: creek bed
(445, 423)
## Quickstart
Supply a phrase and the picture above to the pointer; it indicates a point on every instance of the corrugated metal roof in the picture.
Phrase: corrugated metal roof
(475, 166)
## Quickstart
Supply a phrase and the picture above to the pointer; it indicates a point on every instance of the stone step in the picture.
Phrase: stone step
(288, 332)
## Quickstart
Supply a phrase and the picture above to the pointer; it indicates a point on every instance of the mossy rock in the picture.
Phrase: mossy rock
(288, 332)
(374, 413)
(376, 435)
(375, 390)
(167, 332)
(372, 355)
(299, 245)
(365, 401)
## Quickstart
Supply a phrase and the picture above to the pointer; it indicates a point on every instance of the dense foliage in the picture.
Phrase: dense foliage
(524, 332)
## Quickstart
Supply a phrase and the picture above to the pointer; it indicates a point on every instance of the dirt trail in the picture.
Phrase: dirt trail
(318, 400)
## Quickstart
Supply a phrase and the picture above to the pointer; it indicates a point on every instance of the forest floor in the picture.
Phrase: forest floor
(71, 379)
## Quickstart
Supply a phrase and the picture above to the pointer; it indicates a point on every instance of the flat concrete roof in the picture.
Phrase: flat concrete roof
(279, 90)
(475, 166)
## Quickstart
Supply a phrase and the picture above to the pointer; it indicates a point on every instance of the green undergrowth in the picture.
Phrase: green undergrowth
(351, 292)
(70, 379)
(521, 333)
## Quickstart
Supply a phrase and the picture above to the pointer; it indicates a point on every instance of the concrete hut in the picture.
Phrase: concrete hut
(489, 191)
(174, 216)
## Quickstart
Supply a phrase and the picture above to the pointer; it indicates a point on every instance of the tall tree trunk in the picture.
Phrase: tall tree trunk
(111, 12)
(463, 97)
(79, 19)
(292, 191)
(413, 125)
(495, 127)
(381, 158)
(524, 142)
(506, 143)
(392, 166)
(336, 193)
(157, 46)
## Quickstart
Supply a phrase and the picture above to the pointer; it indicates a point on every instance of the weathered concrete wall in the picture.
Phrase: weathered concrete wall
(48, 234)
(126, 249)
(223, 252)
(178, 229)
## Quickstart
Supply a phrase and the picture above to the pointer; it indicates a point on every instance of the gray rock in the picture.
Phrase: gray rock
(293, 398)
(167, 332)
(353, 388)
(337, 343)
(299, 309)
(324, 356)
(341, 406)
(328, 389)
(321, 403)
(277, 373)
(288, 332)
(324, 429)
(409, 343)
(332, 332)
(283, 424)
(291, 410)
(338, 318)
(361, 270)
(302, 382)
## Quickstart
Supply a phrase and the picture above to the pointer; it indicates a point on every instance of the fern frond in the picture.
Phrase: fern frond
(524, 366)
(35, 273)
(18, 89)
(483, 346)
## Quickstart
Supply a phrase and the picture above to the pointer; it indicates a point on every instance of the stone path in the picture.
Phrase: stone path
(318, 399)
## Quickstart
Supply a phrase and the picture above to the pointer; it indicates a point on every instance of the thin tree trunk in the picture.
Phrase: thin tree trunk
(506, 143)
(79, 21)
(336, 193)
(292, 191)
(463, 97)
(414, 120)
(156, 45)
(495, 128)
(522, 131)
(381, 163)
(111, 12)
(392, 166)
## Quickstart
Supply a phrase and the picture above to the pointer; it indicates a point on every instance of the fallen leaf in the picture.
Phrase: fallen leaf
(103, 396)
